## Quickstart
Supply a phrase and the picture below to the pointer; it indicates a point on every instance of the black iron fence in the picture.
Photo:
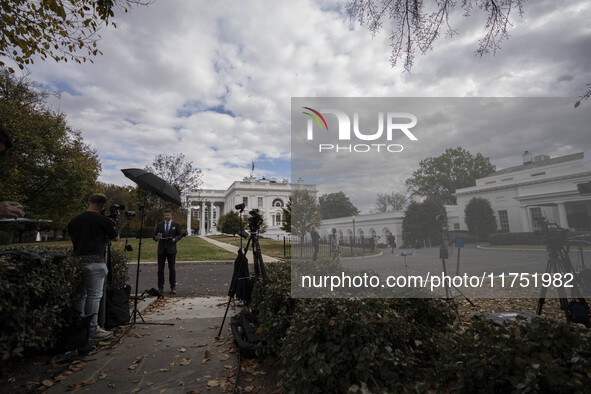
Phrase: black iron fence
(292, 247)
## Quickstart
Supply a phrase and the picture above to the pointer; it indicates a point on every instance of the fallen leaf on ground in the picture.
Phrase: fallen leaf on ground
(206, 357)
(186, 361)
(47, 383)
(77, 366)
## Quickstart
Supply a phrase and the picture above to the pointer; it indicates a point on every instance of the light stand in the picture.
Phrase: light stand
(444, 254)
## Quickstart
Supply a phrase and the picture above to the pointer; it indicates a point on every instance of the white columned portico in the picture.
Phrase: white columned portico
(523, 210)
(202, 219)
(210, 210)
(189, 214)
(562, 219)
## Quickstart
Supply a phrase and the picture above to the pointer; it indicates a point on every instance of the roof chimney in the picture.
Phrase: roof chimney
(527, 157)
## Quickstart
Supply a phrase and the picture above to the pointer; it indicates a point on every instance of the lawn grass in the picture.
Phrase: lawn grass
(531, 247)
(270, 247)
(275, 248)
(189, 249)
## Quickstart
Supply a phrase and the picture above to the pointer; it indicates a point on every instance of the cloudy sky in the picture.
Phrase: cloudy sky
(214, 80)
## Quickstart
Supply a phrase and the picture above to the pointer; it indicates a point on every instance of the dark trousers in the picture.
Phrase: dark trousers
(171, 269)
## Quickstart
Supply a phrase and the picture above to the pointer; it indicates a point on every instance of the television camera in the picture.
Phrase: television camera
(115, 213)
(254, 221)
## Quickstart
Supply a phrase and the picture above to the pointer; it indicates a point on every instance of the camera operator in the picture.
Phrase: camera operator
(8, 209)
(90, 232)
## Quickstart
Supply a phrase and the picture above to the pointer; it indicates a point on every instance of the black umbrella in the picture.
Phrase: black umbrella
(154, 184)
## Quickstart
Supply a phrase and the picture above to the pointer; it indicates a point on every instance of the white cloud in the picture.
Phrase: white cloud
(214, 80)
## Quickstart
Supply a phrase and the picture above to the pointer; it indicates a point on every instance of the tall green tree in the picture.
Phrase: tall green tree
(57, 29)
(128, 197)
(439, 177)
(480, 217)
(231, 223)
(336, 205)
(49, 169)
(423, 222)
(301, 213)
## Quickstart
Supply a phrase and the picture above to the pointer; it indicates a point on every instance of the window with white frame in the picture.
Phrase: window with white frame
(504, 221)
(278, 202)
(536, 213)
(260, 202)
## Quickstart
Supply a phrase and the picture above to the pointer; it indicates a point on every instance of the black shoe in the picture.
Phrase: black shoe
(173, 290)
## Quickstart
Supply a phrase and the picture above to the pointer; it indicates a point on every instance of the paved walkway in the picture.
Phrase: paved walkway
(185, 357)
(234, 249)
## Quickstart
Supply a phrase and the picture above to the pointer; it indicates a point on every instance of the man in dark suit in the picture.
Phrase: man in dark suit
(167, 234)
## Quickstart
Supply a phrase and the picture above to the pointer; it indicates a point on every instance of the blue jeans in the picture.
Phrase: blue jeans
(90, 290)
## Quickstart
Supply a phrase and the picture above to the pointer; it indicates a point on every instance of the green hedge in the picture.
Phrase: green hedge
(543, 356)
(331, 345)
(32, 297)
(410, 345)
(515, 239)
(4, 238)
(468, 238)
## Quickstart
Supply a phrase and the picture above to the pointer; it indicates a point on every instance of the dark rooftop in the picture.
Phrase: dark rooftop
(538, 164)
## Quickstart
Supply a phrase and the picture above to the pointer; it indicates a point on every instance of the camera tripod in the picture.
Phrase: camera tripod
(559, 263)
(241, 285)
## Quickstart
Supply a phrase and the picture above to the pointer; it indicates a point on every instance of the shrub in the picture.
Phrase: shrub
(516, 239)
(480, 217)
(541, 356)
(274, 306)
(334, 344)
(31, 298)
(4, 238)
(468, 238)
(331, 345)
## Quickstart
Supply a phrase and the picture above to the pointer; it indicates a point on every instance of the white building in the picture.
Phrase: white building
(376, 225)
(266, 195)
(540, 187)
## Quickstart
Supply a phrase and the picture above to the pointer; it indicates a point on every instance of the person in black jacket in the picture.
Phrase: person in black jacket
(90, 232)
(315, 241)
(167, 234)
(391, 242)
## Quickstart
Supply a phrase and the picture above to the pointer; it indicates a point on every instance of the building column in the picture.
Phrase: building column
(211, 208)
(189, 221)
(562, 219)
(525, 221)
(202, 219)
